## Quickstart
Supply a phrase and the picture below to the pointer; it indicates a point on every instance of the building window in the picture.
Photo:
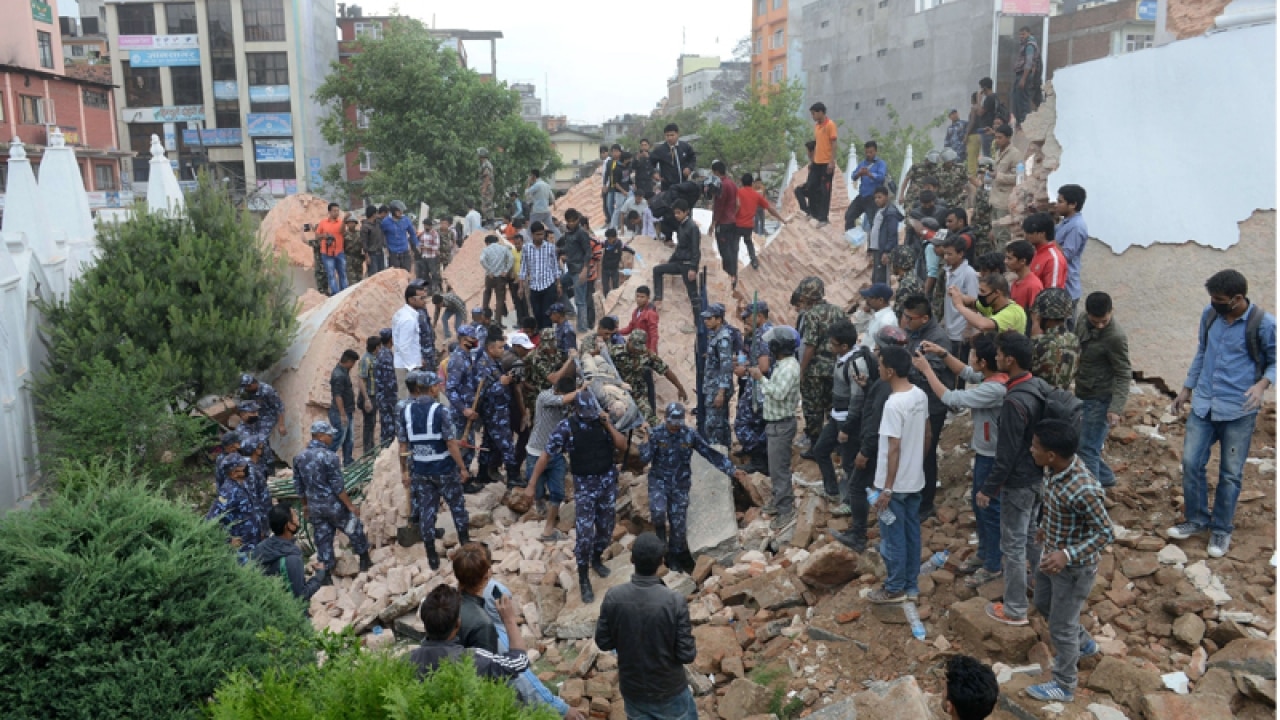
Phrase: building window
(35, 110)
(882, 52)
(226, 113)
(277, 171)
(917, 96)
(857, 106)
(824, 23)
(136, 19)
(77, 51)
(2, 114)
(366, 161)
(263, 20)
(759, 44)
(761, 7)
(45, 41)
(879, 102)
(759, 76)
(180, 18)
(922, 5)
(777, 4)
(187, 89)
(370, 30)
(219, 12)
(777, 39)
(1133, 43)
(857, 58)
(96, 99)
(883, 3)
(362, 119)
(268, 68)
(104, 177)
(141, 86)
(824, 67)
(859, 12)
(918, 44)
(776, 73)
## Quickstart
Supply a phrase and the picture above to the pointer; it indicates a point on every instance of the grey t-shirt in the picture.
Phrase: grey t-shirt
(551, 411)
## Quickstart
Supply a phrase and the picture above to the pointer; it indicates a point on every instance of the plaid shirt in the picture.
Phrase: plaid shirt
(1075, 519)
(781, 390)
(540, 266)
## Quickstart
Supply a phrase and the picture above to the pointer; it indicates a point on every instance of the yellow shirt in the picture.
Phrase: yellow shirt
(1012, 317)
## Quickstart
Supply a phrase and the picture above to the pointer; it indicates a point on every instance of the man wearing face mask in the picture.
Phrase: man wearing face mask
(1234, 365)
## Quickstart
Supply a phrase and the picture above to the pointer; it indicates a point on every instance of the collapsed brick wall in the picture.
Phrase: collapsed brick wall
(1189, 18)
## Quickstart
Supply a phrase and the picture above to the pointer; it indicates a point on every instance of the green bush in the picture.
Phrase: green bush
(117, 603)
(353, 684)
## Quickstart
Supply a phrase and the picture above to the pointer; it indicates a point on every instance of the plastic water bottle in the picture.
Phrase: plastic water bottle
(886, 516)
(936, 562)
(913, 617)
(1022, 171)
(377, 629)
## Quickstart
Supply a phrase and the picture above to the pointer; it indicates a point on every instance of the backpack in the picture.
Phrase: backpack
(1252, 337)
(1056, 403)
(868, 359)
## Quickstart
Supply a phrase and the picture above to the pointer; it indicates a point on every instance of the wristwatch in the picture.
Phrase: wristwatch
(887, 491)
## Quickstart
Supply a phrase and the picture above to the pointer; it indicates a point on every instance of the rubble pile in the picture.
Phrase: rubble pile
(281, 229)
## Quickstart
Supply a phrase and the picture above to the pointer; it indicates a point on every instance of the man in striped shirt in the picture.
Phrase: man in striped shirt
(781, 396)
(1074, 530)
(540, 274)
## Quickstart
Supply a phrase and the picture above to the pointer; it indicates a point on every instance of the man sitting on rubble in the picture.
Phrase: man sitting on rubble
(442, 618)
(279, 554)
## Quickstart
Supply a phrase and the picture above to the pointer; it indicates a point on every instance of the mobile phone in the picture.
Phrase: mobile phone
(496, 592)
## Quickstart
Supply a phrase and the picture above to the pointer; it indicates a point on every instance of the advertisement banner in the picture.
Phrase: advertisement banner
(41, 11)
(269, 124)
(1147, 10)
(171, 113)
(110, 198)
(164, 58)
(226, 90)
(268, 93)
(273, 151)
(1025, 7)
(213, 137)
(159, 42)
(290, 187)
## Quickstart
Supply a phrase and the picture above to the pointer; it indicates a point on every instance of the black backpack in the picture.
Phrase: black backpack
(1252, 337)
(1055, 403)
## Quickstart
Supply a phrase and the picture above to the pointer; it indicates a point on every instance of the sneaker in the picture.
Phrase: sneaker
(981, 577)
(807, 454)
(841, 510)
(769, 510)
(849, 540)
(1049, 692)
(1182, 531)
(1089, 649)
(822, 224)
(913, 596)
(1219, 544)
(880, 596)
(995, 611)
(782, 520)
(971, 565)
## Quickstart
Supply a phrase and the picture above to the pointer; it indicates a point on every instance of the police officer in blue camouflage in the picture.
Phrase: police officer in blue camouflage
(566, 336)
(670, 448)
(495, 408)
(749, 423)
(460, 388)
(230, 448)
(234, 509)
(717, 375)
(256, 480)
(385, 386)
(431, 465)
(589, 438)
(317, 479)
(270, 410)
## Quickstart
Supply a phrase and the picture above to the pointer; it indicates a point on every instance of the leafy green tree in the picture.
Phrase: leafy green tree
(769, 128)
(115, 602)
(370, 686)
(428, 116)
(892, 143)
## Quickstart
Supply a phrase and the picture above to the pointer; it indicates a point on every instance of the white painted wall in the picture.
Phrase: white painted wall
(1174, 144)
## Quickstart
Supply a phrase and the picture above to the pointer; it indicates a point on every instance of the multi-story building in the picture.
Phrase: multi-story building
(228, 85)
(769, 36)
(579, 156)
(621, 126)
(686, 65)
(1099, 30)
(530, 105)
(37, 96)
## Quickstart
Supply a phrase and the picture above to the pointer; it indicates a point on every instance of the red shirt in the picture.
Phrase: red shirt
(1024, 291)
(726, 205)
(748, 200)
(330, 227)
(646, 319)
(1050, 265)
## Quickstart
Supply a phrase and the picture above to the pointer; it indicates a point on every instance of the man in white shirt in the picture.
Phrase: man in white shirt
(959, 275)
(877, 300)
(471, 222)
(904, 435)
(407, 347)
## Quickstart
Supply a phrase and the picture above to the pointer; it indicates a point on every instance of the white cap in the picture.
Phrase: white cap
(521, 340)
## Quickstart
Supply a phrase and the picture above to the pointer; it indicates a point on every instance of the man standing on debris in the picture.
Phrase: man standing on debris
(1072, 236)
(684, 261)
(431, 465)
(753, 203)
(497, 261)
(577, 254)
(723, 211)
(367, 391)
(566, 337)
(279, 554)
(717, 375)
(330, 238)
(1007, 160)
(460, 389)
(353, 250)
(538, 199)
(781, 390)
(317, 479)
(429, 243)
(749, 425)
(817, 184)
(496, 401)
(1102, 382)
(398, 233)
(670, 449)
(407, 335)
(918, 322)
(553, 406)
(1057, 349)
(540, 274)
(1049, 264)
(957, 129)
(648, 625)
(673, 160)
(373, 241)
(234, 508)
(384, 380)
(342, 404)
(1234, 365)
(839, 435)
(589, 438)
(817, 363)
(486, 183)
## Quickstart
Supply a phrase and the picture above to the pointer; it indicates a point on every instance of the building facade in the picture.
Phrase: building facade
(769, 37)
(686, 65)
(228, 85)
(579, 156)
(37, 96)
(1098, 31)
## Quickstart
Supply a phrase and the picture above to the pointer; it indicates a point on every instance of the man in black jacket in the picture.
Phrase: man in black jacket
(917, 319)
(684, 261)
(441, 614)
(648, 624)
(674, 160)
(279, 554)
(576, 252)
(642, 170)
(1015, 478)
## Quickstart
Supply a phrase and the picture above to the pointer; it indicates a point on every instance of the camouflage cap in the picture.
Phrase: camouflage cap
(586, 405)
(759, 307)
(412, 379)
(1052, 304)
(547, 338)
(903, 257)
(428, 379)
(236, 461)
(249, 444)
(246, 380)
(675, 411)
(231, 437)
(714, 310)
(638, 338)
(322, 427)
(811, 288)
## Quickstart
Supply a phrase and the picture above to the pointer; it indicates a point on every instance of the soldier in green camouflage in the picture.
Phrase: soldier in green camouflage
(632, 361)
(817, 363)
(546, 359)
(980, 219)
(322, 278)
(953, 183)
(915, 180)
(903, 263)
(1056, 349)
(353, 249)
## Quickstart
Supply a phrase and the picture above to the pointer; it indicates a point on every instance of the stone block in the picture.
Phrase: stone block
(1253, 656)
(1189, 629)
(1168, 706)
(978, 631)
(742, 699)
(713, 524)
(1124, 681)
(830, 565)
(715, 642)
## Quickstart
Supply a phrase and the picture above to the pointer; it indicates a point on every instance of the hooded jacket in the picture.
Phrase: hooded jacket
(279, 556)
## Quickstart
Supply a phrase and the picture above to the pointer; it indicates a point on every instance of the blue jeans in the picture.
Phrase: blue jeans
(551, 484)
(1202, 433)
(1093, 433)
(444, 322)
(344, 439)
(680, 707)
(988, 518)
(527, 683)
(900, 544)
(582, 300)
(335, 268)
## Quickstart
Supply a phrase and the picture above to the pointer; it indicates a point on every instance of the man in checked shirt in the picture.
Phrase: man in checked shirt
(1074, 529)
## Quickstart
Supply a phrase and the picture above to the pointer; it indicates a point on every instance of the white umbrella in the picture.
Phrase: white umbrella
(164, 195)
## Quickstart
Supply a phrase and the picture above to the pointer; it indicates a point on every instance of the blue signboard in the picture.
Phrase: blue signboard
(268, 93)
(313, 174)
(1147, 10)
(164, 58)
(269, 124)
(226, 90)
(273, 150)
(213, 137)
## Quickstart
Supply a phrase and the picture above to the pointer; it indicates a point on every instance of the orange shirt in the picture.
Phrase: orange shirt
(330, 227)
(824, 135)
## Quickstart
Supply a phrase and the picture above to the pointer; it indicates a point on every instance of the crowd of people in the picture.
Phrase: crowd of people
(959, 316)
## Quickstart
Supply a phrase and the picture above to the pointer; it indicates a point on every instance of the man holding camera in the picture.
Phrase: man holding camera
(329, 237)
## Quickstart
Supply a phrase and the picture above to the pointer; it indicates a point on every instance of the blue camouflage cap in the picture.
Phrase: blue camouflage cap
(235, 461)
(468, 331)
(586, 404)
(384, 334)
(675, 411)
(249, 444)
(714, 310)
(759, 307)
(246, 380)
(556, 307)
(477, 311)
(322, 427)
(428, 379)
(231, 437)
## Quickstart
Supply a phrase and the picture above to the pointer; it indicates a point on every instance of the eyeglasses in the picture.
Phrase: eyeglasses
(913, 318)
